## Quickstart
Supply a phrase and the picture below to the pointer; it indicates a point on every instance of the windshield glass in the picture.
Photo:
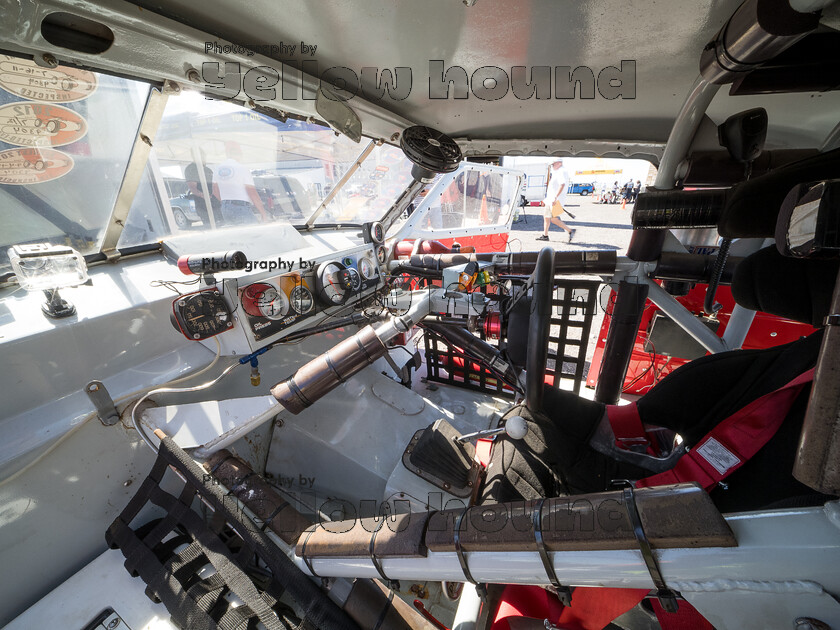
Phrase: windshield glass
(254, 169)
(65, 138)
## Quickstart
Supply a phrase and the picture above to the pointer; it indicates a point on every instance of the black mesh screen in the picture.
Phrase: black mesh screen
(213, 568)
(573, 307)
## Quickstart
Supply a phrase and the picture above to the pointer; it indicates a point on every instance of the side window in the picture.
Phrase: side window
(474, 199)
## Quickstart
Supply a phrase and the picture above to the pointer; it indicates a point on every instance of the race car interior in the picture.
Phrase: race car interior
(319, 386)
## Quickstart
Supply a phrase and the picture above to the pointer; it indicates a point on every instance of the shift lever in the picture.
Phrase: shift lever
(515, 428)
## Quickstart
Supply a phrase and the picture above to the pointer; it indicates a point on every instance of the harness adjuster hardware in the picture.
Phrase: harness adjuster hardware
(480, 589)
(394, 585)
(667, 597)
(832, 320)
(564, 593)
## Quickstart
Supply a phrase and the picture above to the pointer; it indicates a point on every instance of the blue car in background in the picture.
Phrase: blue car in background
(582, 189)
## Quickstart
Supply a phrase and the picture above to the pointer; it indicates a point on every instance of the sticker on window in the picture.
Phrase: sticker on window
(23, 167)
(52, 85)
(718, 456)
(33, 124)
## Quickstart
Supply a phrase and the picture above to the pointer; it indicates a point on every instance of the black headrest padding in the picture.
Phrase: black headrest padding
(795, 288)
(753, 206)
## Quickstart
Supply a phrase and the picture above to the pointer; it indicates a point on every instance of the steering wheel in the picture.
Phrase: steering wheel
(539, 325)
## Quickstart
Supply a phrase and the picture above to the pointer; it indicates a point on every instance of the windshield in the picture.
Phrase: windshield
(254, 169)
(65, 140)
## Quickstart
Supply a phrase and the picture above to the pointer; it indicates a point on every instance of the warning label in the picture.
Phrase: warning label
(720, 457)
(40, 124)
(33, 166)
(51, 85)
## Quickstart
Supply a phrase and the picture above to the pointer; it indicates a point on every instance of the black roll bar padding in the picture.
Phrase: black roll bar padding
(624, 325)
(539, 326)
(692, 267)
(665, 209)
(598, 262)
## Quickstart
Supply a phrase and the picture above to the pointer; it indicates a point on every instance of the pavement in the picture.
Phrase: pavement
(598, 226)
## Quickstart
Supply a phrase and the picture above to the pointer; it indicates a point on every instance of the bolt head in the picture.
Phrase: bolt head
(196, 336)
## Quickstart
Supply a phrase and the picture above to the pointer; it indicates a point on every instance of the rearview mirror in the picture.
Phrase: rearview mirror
(809, 221)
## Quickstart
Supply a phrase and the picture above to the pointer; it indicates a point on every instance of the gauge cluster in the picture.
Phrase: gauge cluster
(276, 303)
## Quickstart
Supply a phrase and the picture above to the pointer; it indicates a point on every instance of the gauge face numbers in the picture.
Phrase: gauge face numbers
(301, 299)
(377, 232)
(334, 283)
(367, 269)
(381, 255)
(201, 315)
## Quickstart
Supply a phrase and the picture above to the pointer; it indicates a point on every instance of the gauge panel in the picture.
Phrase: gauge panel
(275, 304)
(201, 315)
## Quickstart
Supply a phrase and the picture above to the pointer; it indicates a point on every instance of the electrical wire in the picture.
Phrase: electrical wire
(174, 390)
(66, 436)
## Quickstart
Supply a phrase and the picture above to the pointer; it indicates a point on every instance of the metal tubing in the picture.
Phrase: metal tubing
(683, 131)
(626, 317)
(817, 462)
(646, 245)
(676, 311)
(405, 198)
(758, 31)
(738, 327)
(469, 607)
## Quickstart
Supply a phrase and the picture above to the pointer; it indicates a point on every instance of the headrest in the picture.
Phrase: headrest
(794, 288)
(752, 206)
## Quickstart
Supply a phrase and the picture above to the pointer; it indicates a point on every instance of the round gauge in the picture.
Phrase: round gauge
(252, 298)
(334, 283)
(381, 254)
(355, 278)
(377, 232)
(201, 315)
(301, 299)
(366, 268)
(274, 304)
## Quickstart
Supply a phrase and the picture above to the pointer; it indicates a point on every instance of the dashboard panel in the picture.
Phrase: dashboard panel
(274, 304)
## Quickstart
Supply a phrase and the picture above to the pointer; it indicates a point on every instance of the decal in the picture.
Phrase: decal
(52, 85)
(720, 457)
(21, 167)
(33, 124)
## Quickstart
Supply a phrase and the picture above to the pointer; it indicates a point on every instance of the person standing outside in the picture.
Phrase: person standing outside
(636, 190)
(555, 196)
(234, 185)
(196, 194)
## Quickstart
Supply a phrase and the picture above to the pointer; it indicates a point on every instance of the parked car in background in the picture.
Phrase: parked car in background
(578, 188)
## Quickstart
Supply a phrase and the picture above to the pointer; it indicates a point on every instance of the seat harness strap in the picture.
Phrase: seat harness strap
(734, 441)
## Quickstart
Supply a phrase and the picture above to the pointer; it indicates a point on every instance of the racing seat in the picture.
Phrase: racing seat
(558, 456)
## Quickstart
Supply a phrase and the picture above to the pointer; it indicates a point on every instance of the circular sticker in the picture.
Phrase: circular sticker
(33, 124)
(53, 85)
(21, 167)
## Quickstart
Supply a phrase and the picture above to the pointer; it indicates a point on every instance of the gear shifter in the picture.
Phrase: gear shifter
(515, 428)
